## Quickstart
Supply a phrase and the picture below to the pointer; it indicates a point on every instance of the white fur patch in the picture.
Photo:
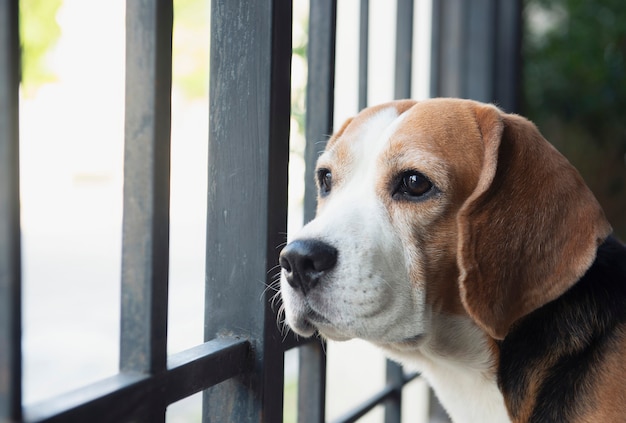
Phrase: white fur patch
(456, 362)
(367, 295)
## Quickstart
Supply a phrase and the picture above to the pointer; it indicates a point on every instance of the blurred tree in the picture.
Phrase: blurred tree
(574, 86)
(39, 32)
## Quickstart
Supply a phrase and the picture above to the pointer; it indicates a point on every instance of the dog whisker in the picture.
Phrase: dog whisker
(274, 285)
(273, 268)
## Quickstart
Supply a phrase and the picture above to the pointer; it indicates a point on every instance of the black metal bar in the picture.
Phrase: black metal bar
(447, 48)
(145, 249)
(320, 94)
(479, 58)
(393, 402)
(435, 49)
(476, 50)
(273, 364)
(389, 391)
(127, 396)
(319, 126)
(290, 341)
(404, 49)
(206, 365)
(247, 196)
(436, 412)
(312, 383)
(508, 65)
(10, 249)
(364, 16)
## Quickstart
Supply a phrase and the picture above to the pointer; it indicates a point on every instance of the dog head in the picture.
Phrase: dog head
(433, 208)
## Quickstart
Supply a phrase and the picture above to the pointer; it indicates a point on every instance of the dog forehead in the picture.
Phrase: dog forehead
(438, 137)
(446, 128)
(364, 136)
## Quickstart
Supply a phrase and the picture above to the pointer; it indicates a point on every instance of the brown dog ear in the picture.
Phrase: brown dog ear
(529, 230)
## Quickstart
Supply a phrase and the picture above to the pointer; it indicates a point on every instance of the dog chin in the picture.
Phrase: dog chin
(333, 335)
(301, 327)
(306, 328)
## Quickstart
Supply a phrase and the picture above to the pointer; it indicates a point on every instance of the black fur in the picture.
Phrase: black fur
(567, 337)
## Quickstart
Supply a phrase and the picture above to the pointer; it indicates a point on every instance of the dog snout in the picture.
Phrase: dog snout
(304, 262)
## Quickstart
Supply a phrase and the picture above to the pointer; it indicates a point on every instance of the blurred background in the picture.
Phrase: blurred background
(574, 89)
(71, 121)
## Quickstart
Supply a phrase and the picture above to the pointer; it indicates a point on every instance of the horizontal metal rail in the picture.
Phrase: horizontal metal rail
(388, 392)
(125, 395)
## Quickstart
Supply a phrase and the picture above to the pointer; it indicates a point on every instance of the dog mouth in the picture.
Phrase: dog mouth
(315, 318)
(309, 321)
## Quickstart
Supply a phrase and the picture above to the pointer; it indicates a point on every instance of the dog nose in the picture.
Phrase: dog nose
(305, 261)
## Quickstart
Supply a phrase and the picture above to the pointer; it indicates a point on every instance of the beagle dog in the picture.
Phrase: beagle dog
(456, 238)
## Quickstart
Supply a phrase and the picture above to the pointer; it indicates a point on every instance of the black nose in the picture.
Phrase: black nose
(305, 261)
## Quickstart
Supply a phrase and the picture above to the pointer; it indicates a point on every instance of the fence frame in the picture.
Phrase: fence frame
(240, 367)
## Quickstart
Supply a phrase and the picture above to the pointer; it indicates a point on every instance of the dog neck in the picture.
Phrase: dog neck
(459, 361)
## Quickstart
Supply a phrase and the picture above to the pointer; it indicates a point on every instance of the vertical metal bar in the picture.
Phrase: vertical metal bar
(476, 50)
(364, 16)
(447, 48)
(312, 383)
(247, 197)
(319, 125)
(10, 254)
(435, 49)
(393, 405)
(436, 412)
(479, 55)
(320, 94)
(273, 365)
(404, 49)
(145, 249)
(508, 63)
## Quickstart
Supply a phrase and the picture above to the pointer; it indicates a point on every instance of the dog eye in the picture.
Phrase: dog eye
(325, 181)
(413, 185)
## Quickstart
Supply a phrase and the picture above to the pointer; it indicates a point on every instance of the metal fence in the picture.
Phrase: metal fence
(240, 367)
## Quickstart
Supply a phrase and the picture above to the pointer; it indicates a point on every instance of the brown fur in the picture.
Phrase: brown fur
(609, 388)
(511, 233)
(517, 249)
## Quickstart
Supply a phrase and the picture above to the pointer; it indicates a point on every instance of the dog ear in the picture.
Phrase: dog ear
(529, 230)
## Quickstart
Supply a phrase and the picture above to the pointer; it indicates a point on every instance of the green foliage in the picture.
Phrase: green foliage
(575, 89)
(190, 48)
(577, 69)
(39, 32)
